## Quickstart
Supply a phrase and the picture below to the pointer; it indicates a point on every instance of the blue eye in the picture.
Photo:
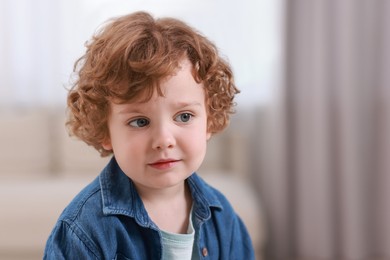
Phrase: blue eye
(139, 122)
(183, 117)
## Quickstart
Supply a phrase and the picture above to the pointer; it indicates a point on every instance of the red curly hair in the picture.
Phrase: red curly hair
(128, 58)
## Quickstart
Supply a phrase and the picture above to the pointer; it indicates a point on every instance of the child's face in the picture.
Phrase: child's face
(159, 143)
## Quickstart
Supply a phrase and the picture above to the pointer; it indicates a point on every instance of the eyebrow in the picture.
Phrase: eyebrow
(180, 104)
(129, 110)
(187, 104)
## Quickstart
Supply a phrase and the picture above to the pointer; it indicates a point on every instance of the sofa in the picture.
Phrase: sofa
(42, 169)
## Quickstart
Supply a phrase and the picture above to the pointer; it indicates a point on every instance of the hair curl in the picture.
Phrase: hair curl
(128, 58)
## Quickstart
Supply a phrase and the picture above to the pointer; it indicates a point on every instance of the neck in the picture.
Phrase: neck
(168, 208)
(166, 195)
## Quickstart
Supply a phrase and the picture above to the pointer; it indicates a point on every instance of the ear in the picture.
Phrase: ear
(107, 145)
(208, 136)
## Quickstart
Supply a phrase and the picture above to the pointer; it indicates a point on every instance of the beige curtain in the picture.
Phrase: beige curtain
(324, 168)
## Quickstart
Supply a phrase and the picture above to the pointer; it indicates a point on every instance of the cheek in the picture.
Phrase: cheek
(198, 141)
(130, 153)
(131, 144)
(127, 144)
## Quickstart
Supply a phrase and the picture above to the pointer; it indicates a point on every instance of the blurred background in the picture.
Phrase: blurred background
(305, 161)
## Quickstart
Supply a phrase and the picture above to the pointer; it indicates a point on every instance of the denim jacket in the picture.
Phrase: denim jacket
(107, 220)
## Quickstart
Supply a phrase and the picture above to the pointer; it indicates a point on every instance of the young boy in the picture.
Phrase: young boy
(150, 92)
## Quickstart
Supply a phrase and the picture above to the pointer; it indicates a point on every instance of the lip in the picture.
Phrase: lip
(164, 164)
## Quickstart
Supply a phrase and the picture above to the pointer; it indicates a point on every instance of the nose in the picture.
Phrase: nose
(163, 138)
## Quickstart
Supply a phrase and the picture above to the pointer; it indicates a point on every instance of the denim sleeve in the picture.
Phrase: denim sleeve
(67, 241)
(241, 244)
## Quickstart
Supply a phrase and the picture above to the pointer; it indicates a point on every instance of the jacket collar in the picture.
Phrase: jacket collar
(121, 198)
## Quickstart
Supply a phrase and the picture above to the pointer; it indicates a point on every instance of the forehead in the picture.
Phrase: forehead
(182, 77)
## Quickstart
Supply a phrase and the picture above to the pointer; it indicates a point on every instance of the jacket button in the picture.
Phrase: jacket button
(205, 252)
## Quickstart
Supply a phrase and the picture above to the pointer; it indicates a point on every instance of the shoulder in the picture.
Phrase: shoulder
(89, 197)
(69, 237)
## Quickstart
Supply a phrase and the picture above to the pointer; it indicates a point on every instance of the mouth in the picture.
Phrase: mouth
(164, 164)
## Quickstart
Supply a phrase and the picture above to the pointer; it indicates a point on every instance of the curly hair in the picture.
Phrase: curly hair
(128, 58)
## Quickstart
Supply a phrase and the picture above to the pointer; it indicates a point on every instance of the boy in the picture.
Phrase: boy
(150, 92)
